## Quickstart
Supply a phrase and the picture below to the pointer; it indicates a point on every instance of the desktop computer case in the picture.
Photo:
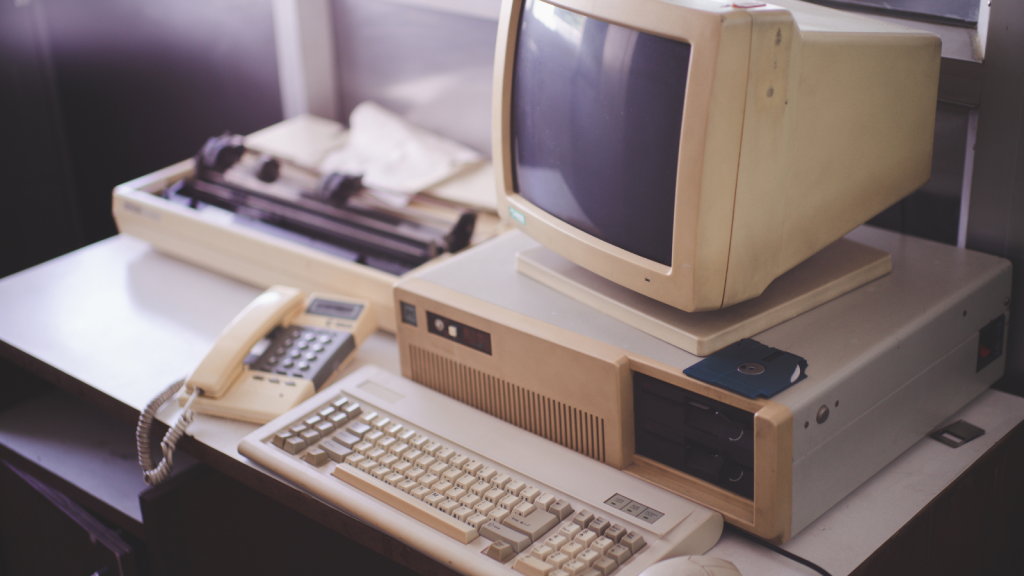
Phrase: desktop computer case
(887, 363)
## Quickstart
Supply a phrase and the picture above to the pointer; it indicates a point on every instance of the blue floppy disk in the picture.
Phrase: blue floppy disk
(750, 369)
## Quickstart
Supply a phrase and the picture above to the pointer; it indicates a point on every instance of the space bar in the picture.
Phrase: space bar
(407, 504)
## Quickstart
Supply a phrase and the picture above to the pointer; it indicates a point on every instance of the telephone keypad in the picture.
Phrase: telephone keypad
(310, 353)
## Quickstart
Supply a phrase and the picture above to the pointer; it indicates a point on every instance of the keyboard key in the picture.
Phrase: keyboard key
(586, 538)
(335, 450)
(605, 565)
(494, 531)
(544, 501)
(602, 545)
(456, 493)
(294, 445)
(509, 502)
(556, 541)
(472, 467)
(486, 474)
(532, 566)
(359, 428)
(558, 559)
(561, 508)
(541, 551)
(529, 494)
(500, 551)
(572, 549)
(575, 567)
(588, 556)
(615, 533)
(523, 509)
(345, 438)
(458, 461)
(535, 525)
(463, 512)
(480, 488)
(316, 457)
(583, 518)
(498, 514)
(500, 481)
(619, 553)
(280, 437)
(465, 482)
(599, 525)
(407, 504)
(570, 531)
(634, 541)
(515, 487)
(477, 520)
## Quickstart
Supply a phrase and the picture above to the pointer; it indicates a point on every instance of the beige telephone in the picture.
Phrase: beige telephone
(276, 353)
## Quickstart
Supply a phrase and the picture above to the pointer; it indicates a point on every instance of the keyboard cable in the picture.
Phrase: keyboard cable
(778, 550)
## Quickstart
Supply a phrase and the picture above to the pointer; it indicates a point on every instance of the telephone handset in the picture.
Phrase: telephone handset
(276, 353)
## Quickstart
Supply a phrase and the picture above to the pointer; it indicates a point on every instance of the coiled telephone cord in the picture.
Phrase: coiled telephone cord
(155, 474)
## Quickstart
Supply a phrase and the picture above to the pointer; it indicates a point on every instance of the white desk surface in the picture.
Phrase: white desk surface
(129, 321)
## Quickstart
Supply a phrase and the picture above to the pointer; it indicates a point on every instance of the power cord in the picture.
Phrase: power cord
(155, 474)
(778, 550)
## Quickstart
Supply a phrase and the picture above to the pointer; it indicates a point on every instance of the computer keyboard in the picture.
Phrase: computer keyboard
(470, 490)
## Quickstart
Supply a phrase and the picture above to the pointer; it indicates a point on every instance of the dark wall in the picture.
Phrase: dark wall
(996, 219)
(108, 90)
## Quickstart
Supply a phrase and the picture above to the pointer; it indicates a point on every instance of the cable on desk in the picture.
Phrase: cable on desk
(155, 474)
(778, 550)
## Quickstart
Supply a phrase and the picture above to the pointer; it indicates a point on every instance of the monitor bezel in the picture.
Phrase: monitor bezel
(709, 149)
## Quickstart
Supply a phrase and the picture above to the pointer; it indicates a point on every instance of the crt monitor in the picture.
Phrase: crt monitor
(693, 151)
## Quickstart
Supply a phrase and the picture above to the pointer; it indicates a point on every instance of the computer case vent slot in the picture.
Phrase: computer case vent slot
(543, 416)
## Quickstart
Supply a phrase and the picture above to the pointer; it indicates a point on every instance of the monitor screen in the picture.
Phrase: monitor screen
(597, 111)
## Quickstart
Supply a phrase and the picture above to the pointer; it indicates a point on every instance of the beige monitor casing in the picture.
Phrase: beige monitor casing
(799, 124)
(887, 363)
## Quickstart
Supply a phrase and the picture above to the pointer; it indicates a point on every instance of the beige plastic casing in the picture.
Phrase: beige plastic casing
(233, 390)
(799, 124)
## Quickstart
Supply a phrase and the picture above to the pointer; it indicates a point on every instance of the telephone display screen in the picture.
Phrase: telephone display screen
(335, 309)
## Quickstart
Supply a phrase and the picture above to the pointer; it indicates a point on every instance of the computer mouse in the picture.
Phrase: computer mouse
(692, 566)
